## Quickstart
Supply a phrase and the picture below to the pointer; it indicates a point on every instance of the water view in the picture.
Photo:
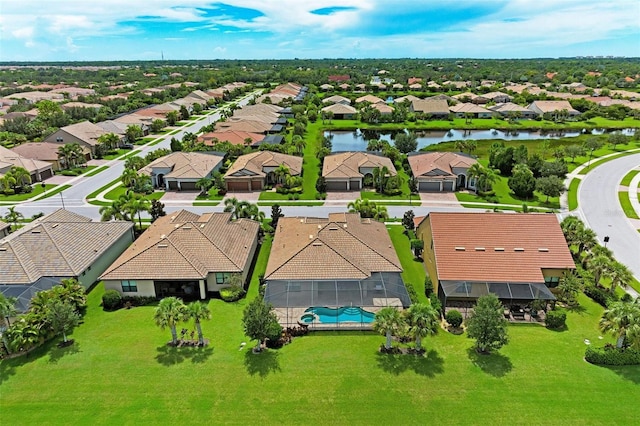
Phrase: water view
(357, 140)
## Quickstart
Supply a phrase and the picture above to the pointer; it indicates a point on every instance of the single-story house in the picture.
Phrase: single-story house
(476, 111)
(41, 151)
(437, 108)
(497, 97)
(515, 256)
(326, 87)
(552, 107)
(234, 137)
(185, 255)
(369, 98)
(347, 171)
(339, 261)
(336, 99)
(247, 125)
(408, 98)
(252, 172)
(341, 111)
(84, 133)
(441, 171)
(471, 97)
(510, 108)
(182, 170)
(383, 108)
(38, 170)
(58, 246)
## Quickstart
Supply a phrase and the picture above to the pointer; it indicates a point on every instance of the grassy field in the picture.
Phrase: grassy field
(117, 153)
(120, 371)
(37, 190)
(116, 192)
(96, 171)
(626, 180)
(573, 193)
(414, 271)
(625, 203)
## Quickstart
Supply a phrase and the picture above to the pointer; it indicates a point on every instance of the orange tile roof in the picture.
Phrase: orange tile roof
(497, 247)
(438, 164)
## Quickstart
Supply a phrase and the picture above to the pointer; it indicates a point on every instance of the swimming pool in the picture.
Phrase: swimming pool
(326, 315)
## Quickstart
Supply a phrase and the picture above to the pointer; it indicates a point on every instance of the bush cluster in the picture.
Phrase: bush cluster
(610, 355)
(111, 300)
(556, 319)
(454, 318)
(600, 295)
(231, 294)
(413, 295)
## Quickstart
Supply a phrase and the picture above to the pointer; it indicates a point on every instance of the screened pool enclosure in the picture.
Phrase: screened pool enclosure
(293, 298)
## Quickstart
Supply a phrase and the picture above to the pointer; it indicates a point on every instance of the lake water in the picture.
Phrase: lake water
(357, 140)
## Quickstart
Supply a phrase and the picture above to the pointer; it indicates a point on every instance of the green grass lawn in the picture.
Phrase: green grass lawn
(414, 271)
(116, 153)
(116, 192)
(291, 203)
(573, 193)
(597, 163)
(625, 203)
(37, 190)
(120, 371)
(212, 195)
(503, 195)
(626, 180)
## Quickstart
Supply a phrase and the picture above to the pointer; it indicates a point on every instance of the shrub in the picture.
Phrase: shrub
(610, 355)
(139, 300)
(556, 319)
(111, 300)
(454, 318)
(413, 295)
(435, 302)
(9, 191)
(428, 286)
(70, 172)
(231, 294)
(626, 298)
(600, 295)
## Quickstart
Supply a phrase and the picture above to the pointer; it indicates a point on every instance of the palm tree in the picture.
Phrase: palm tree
(298, 142)
(23, 335)
(619, 275)
(7, 310)
(281, 172)
(109, 140)
(387, 322)
(112, 212)
(231, 205)
(64, 154)
(8, 181)
(619, 318)
(21, 176)
(129, 177)
(134, 163)
(169, 312)
(585, 239)
(476, 171)
(204, 185)
(368, 209)
(199, 311)
(136, 205)
(13, 217)
(423, 321)
(599, 266)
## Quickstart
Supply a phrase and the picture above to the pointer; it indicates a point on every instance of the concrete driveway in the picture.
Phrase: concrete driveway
(600, 209)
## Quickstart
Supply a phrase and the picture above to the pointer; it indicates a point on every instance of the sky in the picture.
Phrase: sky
(79, 30)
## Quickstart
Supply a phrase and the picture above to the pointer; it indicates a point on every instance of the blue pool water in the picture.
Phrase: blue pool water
(338, 315)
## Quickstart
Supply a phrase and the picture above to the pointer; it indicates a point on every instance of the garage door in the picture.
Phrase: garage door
(337, 186)
(46, 174)
(237, 186)
(173, 184)
(355, 185)
(429, 186)
(256, 184)
(188, 186)
(447, 186)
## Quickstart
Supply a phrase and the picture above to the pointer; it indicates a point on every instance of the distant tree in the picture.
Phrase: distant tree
(157, 210)
(487, 324)
(407, 220)
(591, 145)
(13, 217)
(417, 245)
(204, 184)
(522, 182)
(368, 209)
(554, 168)
(413, 185)
(406, 142)
(109, 140)
(573, 151)
(520, 155)
(176, 145)
(168, 314)
(133, 133)
(617, 138)
(172, 118)
(156, 126)
(62, 317)
(551, 186)
(184, 113)
(260, 321)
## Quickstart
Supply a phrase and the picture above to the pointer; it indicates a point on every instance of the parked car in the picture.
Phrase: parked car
(126, 146)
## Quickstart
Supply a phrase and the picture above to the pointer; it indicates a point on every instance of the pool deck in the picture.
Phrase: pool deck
(291, 317)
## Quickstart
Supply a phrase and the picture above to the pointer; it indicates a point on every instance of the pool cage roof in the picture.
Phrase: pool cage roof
(380, 289)
(505, 291)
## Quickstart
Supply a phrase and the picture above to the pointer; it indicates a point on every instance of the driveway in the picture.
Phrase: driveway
(439, 198)
(600, 209)
(179, 196)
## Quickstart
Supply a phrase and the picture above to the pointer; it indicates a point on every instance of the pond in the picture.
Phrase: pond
(357, 140)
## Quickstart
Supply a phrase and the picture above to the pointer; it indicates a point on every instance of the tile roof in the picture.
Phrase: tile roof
(85, 131)
(186, 245)
(348, 164)
(185, 165)
(3, 226)
(62, 244)
(497, 247)
(430, 106)
(336, 99)
(253, 164)
(10, 158)
(341, 247)
(435, 164)
(369, 98)
(243, 125)
(232, 136)
(469, 108)
(340, 109)
(551, 106)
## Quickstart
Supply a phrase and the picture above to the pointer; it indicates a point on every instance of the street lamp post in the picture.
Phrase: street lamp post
(42, 184)
(606, 240)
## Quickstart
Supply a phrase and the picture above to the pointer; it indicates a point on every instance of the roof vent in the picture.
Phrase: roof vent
(162, 237)
(163, 245)
(499, 249)
(319, 226)
(35, 231)
(459, 248)
(177, 225)
(543, 249)
(333, 228)
(302, 220)
(55, 225)
(202, 225)
(3, 249)
(344, 226)
(186, 227)
(316, 243)
(311, 236)
(518, 249)
(479, 248)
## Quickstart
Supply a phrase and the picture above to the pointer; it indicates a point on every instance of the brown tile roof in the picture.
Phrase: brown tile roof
(430, 106)
(434, 164)
(348, 164)
(243, 125)
(497, 247)
(186, 165)
(186, 245)
(43, 151)
(62, 244)
(3, 226)
(253, 164)
(232, 136)
(469, 108)
(85, 131)
(551, 106)
(340, 247)
(369, 98)
(340, 109)
(10, 158)
(336, 99)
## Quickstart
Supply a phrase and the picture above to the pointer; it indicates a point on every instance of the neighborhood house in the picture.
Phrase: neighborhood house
(441, 171)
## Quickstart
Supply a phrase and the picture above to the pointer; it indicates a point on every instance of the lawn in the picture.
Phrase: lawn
(212, 195)
(414, 271)
(626, 180)
(595, 164)
(37, 190)
(116, 192)
(626, 205)
(120, 371)
(573, 193)
(96, 171)
(115, 154)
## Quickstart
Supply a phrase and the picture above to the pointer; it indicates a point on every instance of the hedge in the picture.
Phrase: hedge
(556, 319)
(611, 355)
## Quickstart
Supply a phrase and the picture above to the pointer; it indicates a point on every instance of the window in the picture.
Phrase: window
(551, 281)
(220, 278)
(129, 286)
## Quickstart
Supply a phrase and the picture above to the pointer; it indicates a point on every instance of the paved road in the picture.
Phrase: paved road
(600, 209)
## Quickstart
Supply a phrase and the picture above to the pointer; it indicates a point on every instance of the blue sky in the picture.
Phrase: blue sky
(64, 30)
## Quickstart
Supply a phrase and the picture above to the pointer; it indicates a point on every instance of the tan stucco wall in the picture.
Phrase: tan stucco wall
(423, 232)
(97, 268)
(145, 288)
